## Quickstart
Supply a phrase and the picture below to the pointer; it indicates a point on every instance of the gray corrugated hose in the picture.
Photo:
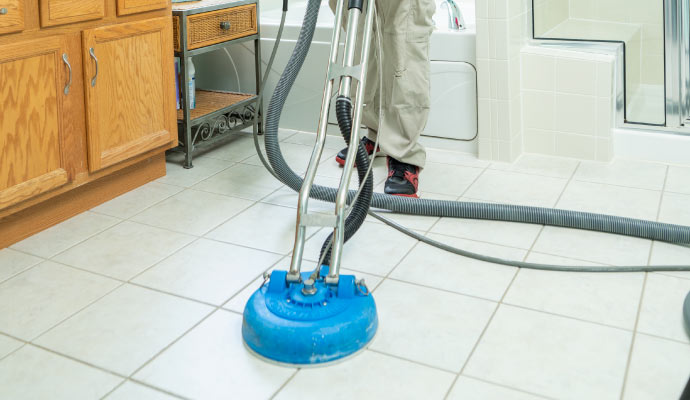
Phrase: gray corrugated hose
(670, 233)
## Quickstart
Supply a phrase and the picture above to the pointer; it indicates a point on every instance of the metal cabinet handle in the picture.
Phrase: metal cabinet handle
(69, 67)
(225, 25)
(93, 80)
(3, 11)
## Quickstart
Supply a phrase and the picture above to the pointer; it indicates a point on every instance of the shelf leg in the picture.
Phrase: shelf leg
(184, 103)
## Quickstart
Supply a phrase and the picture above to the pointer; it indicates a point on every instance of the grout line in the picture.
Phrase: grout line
(24, 344)
(142, 383)
(658, 214)
(541, 396)
(634, 335)
(113, 389)
(486, 168)
(481, 336)
(169, 345)
(284, 384)
(411, 361)
(120, 221)
(558, 199)
(146, 208)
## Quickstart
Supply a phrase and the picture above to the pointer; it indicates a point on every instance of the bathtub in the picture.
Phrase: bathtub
(453, 116)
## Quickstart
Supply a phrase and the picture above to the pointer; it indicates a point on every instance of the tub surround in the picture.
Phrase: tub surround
(568, 102)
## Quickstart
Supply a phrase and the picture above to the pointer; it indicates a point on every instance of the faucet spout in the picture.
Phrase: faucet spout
(455, 19)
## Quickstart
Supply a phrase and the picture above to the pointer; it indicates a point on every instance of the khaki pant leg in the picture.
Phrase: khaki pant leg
(406, 98)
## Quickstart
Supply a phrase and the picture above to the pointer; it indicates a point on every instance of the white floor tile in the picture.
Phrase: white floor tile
(192, 212)
(65, 234)
(675, 209)
(39, 298)
(262, 226)
(516, 188)
(671, 254)
(236, 148)
(134, 391)
(678, 179)
(555, 167)
(208, 271)
(551, 355)
(662, 304)
(296, 156)
(610, 299)
(309, 139)
(123, 330)
(375, 248)
(8, 345)
(13, 262)
(369, 375)
(429, 326)
(32, 373)
(609, 199)
(241, 180)
(136, 201)
(473, 389)
(124, 250)
(204, 167)
(447, 179)
(597, 247)
(454, 157)
(503, 233)
(636, 174)
(429, 266)
(210, 362)
(658, 369)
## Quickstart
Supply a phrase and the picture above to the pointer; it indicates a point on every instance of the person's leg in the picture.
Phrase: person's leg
(407, 27)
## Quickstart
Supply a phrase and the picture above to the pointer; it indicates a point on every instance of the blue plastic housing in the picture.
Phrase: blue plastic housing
(282, 324)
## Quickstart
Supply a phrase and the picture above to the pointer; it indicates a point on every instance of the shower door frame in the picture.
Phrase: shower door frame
(677, 65)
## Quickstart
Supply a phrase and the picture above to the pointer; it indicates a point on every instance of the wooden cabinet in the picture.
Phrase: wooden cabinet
(59, 12)
(130, 90)
(32, 92)
(125, 7)
(69, 142)
(11, 16)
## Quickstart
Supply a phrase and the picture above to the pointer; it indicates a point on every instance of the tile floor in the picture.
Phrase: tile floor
(141, 297)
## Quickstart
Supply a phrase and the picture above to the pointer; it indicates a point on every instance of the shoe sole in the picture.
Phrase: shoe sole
(412, 196)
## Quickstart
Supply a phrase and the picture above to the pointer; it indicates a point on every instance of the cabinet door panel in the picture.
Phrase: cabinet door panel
(130, 98)
(58, 12)
(13, 18)
(125, 7)
(31, 96)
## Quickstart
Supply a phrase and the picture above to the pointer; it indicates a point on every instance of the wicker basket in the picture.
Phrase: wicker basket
(218, 26)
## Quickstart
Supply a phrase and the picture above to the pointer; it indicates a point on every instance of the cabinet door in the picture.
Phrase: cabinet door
(11, 16)
(130, 90)
(58, 12)
(125, 7)
(32, 91)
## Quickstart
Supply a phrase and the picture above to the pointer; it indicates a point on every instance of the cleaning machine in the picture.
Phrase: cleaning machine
(315, 318)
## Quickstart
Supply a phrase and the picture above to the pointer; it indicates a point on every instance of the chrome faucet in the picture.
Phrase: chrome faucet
(455, 20)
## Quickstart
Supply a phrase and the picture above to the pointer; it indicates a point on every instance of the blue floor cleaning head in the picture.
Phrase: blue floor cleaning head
(283, 324)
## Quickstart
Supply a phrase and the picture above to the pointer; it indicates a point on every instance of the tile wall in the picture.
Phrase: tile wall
(503, 28)
(567, 103)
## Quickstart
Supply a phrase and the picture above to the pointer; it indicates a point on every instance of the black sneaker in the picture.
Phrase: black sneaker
(368, 145)
(403, 179)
